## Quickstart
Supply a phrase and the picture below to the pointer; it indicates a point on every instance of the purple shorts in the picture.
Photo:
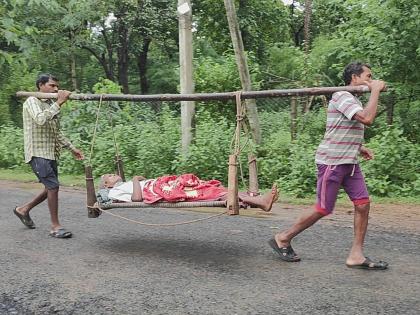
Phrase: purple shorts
(331, 178)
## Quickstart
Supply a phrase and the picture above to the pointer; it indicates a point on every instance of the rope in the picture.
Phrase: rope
(156, 224)
(240, 125)
(94, 131)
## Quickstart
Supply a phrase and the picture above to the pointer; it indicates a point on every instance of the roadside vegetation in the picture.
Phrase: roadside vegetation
(83, 39)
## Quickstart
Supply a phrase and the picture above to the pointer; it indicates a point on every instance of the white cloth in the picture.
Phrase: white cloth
(124, 190)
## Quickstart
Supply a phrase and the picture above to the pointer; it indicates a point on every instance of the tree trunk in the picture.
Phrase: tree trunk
(307, 43)
(142, 66)
(73, 72)
(123, 56)
(307, 25)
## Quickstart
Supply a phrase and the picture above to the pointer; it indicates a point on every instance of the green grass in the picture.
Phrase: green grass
(26, 175)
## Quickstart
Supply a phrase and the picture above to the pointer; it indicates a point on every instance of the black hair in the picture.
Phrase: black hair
(44, 78)
(353, 68)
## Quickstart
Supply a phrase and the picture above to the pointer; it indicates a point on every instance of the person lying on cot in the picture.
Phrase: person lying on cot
(173, 188)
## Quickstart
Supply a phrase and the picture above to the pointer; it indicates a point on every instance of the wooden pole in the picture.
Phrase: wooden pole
(293, 118)
(90, 194)
(186, 72)
(238, 47)
(202, 96)
(253, 175)
(232, 197)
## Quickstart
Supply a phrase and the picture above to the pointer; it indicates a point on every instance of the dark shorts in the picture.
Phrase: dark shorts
(331, 178)
(46, 171)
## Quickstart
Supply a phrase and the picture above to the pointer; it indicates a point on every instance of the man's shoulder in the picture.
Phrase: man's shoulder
(341, 94)
(31, 100)
(342, 97)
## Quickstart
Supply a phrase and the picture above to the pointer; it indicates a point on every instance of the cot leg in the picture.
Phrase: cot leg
(232, 198)
(90, 194)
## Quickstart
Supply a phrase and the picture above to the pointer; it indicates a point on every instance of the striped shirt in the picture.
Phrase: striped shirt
(41, 130)
(343, 136)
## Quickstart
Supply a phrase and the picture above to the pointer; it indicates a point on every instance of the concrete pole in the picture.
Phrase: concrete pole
(186, 72)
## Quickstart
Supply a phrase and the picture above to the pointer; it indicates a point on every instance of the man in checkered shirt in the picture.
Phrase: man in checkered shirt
(43, 142)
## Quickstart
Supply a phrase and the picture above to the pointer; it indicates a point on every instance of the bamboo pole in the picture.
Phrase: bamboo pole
(201, 96)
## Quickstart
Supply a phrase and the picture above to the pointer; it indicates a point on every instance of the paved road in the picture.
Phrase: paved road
(221, 266)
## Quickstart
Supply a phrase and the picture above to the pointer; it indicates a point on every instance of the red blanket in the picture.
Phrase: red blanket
(187, 187)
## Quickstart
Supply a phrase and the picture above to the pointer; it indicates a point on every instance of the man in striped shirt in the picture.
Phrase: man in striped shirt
(43, 141)
(337, 164)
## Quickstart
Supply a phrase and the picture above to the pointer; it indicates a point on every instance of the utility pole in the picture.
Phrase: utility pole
(238, 46)
(186, 72)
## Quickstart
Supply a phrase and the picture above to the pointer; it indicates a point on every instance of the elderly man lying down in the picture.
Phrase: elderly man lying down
(173, 188)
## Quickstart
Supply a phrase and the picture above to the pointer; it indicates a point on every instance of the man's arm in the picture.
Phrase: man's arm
(366, 153)
(40, 116)
(368, 114)
(137, 195)
(65, 143)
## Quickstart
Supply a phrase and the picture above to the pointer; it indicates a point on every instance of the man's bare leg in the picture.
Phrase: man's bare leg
(33, 203)
(361, 217)
(264, 202)
(53, 207)
(283, 239)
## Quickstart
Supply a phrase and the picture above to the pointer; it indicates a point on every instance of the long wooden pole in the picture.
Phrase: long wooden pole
(202, 96)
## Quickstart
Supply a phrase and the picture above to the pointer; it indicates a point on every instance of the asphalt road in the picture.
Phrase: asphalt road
(220, 266)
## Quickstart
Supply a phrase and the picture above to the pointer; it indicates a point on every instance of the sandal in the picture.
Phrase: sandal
(285, 253)
(370, 265)
(61, 233)
(25, 219)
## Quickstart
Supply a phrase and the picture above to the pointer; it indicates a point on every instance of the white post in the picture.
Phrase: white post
(186, 72)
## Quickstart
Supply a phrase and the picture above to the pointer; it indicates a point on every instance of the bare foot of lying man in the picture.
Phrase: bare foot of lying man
(264, 202)
(178, 188)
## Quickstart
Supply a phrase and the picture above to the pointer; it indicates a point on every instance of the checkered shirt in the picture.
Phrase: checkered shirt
(41, 130)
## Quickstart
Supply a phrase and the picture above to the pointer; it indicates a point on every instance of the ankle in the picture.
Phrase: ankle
(282, 239)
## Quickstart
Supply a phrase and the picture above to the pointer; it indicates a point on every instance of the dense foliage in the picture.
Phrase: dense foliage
(133, 46)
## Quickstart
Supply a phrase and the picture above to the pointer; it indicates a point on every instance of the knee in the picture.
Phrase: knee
(362, 208)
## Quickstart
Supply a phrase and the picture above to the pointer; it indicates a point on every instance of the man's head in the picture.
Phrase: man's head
(47, 83)
(109, 180)
(357, 73)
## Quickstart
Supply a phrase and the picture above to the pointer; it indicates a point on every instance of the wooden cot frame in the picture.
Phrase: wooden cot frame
(232, 203)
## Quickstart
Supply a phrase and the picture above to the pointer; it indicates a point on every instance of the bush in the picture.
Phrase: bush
(394, 170)
(11, 147)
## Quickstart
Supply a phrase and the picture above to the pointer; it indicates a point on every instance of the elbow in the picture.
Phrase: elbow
(365, 120)
(368, 122)
(136, 199)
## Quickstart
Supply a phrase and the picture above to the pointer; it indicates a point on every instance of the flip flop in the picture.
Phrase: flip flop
(368, 264)
(25, 219)
(61, 233)
(285, 253)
